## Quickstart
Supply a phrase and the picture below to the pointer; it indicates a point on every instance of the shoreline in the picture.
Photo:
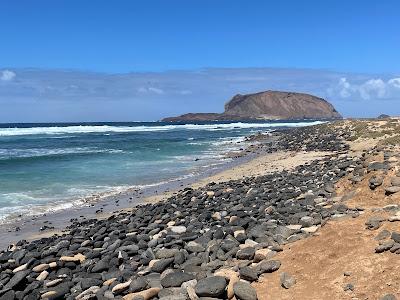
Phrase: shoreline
(245, 164)
(323, 199)
(29, 228)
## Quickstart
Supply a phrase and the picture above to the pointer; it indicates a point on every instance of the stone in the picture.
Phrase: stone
(101, 265)
(246, 253)
(307, 221)
(137, 285)
(160, 265)
(175, 279)
(395, 181)
(395, 237)
(210, 194)
(213, 286)
(384, 234)
(42, 276)
(178, 229)
(262, 254)
(193, 246)
(172, 294)
(109, 281)
(230, 293)
(287, 281)
(395, 248)
(295, 227)
(216, 216)
(9, 295)
(89, 293)
(268, 266)
(394, 218)
(244, 291)
(376, 166)
(248, 274)
(146, 294)
(384, 247)
(40, 268)
(348, 287)
(88, 282)
(375, 181)
(121, 287)
(53, 282)
(76, 258)
(20, 268)
(311, 229)
(17, 279)
(392, 190)
(59, 291)
(389, 297)
(166, 253)
(374, 223)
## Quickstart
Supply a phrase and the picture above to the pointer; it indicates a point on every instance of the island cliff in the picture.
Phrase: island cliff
(268, 105)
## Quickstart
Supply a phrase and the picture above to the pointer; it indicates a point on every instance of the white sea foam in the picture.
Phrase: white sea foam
(57, 130)
(38, 152)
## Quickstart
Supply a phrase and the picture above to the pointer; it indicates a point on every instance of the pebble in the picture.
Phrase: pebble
(244, 291)
(213, 286)
(287, 281)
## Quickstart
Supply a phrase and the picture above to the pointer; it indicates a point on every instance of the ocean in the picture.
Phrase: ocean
(50, 167)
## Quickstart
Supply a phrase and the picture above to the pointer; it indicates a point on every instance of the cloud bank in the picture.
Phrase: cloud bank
(372, 88)
(7, 75)
(35, 95)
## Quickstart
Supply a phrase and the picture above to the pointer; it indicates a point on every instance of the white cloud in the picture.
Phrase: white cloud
(345, 88)
(7, 75)
(372, 88)
(395, 82)
(151, 90)
(156, 90)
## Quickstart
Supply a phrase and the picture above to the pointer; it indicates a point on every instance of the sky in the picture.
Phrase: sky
(142, 60)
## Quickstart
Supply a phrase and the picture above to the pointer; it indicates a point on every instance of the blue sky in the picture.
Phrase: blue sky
(354, 44)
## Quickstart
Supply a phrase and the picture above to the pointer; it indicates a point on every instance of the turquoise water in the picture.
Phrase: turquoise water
(46, 167)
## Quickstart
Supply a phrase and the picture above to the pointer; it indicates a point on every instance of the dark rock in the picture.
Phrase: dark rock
(268, 266)
(392, 190)
(395, 237)
(375, 181)
(88, 282)
(18, 278)
(244, 291)
(348, 287)
(384, 234)
(374, 223)
(101, 265)
(137, 285)
(248, 274)
(246, 253)
(384, 247)
(10, 295)
(60, 291)
(175, 279)
(161, 265)
(213, 286)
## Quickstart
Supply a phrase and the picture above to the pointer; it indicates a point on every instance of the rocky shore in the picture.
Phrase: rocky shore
(218, 241)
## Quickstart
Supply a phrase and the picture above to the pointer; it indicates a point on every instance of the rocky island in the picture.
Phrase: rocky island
(268, 105)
